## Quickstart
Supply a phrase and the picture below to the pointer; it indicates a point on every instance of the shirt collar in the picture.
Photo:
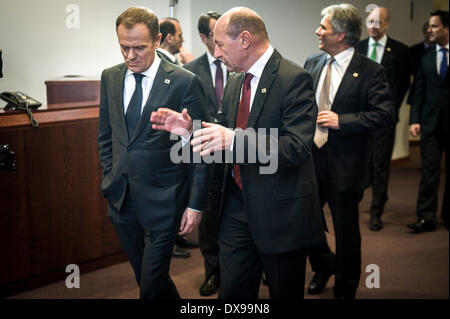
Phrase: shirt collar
(438, 47)
(344, 57)
(258, 67)
(211, 59)
(382, 42)
(151, 71)
(168, 54)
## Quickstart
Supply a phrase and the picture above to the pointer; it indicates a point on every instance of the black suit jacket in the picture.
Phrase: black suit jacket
(429, 96)
(160, 189)
(283, 207)
(396, 61)
(363, 103)
(200, 66)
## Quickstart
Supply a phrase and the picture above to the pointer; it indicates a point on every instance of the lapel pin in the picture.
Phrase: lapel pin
(355, 75)
(264, 90)
(167, 81)
(388, 49)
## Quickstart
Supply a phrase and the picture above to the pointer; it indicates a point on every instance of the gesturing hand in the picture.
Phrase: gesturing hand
(189, 221)
(165, 119)
(212, 137)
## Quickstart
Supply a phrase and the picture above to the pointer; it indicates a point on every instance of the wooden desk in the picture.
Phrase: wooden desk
(65, 91)
(52, 211)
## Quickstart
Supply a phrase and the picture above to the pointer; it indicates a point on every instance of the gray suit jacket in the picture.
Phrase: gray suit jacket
(160, 189)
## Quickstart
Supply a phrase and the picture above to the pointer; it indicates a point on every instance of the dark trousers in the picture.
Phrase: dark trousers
(431, 148)
(383, 143)
(345, 214)
(207, 232)
(149, 252)
(241, 263)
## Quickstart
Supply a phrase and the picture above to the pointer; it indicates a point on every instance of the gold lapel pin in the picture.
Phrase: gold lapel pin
(355, 75)
(264, 90)
(388, 49)
(167, 81)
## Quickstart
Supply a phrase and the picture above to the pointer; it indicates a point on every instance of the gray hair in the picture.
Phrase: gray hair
(345, 18)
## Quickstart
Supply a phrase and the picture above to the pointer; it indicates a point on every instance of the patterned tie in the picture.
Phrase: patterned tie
(219, 83)
(373, 56)
(443, 68)
(242, 119)
(134, 108)
(321, 135)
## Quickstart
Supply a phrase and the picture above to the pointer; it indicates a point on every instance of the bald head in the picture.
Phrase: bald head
(241, 38)
(244, 19)
(378, 23)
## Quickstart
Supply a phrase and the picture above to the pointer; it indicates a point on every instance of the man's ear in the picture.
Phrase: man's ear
(246, 39)
(341, 36)
(158, 40)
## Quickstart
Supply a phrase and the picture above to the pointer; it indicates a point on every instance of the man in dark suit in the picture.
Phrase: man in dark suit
(353, 96)
(429, 117)
(213, 74)
(271, 213)
(394, 56)
(150, 199)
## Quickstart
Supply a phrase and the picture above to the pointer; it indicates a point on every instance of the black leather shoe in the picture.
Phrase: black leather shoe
(318, 283)
(375, 223)
(184, 242)
(210, 286)
(177, 252)
(421, 226)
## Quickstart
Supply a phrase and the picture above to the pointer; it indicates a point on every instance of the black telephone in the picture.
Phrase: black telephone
(19, 100)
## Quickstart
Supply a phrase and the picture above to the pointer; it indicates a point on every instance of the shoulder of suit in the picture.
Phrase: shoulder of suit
(369, 65)
(176, 69)
(116, 68)
(397, 44)
(191, 66)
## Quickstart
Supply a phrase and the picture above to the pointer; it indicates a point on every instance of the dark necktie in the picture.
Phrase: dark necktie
(443, 68)
(219, 83)
(321, 134)
(134, 108)
(242, 119)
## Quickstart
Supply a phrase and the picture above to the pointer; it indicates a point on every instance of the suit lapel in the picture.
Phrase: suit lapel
(119, 82)
(236, 94)
(263, 89)
(351, 75)
(159, 89)
(387, 55)
(318, 70)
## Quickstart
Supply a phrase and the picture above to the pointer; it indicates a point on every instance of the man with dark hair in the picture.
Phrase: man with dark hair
(150, 199)
(352, 93)
(429, 117)
(172, 42)
(394, 56)
(271, 214)
(213, 74)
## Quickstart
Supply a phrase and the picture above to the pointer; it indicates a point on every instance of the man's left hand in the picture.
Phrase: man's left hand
(328, 119)
(212, 137)
(189, 221)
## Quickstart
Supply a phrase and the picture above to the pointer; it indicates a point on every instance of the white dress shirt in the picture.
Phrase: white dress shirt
(147, 83)
(257, 70)
(213, 69)
(338, 69)
(380, 47)
(439, 56)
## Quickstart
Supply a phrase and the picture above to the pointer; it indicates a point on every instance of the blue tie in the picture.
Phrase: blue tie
(134, 108)
(444, 65)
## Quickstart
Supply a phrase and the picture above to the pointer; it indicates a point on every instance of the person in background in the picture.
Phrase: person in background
(172, 42)
(394, 56)
(354, 100)
(429, 118)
